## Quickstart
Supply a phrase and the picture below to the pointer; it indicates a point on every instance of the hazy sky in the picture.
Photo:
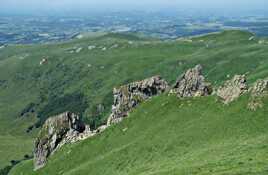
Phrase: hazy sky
(16, 5)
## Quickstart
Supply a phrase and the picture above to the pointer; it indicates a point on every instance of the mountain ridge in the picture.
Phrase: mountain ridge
(59, 79)
(56, 131)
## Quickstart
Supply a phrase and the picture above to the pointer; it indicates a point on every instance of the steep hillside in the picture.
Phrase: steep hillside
(38, 81)
(170, 136)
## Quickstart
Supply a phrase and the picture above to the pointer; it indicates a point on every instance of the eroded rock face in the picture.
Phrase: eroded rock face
(54, 131)
(260, 87)
(192, 84)
(129, 96)
(258, 91)
(232, 89)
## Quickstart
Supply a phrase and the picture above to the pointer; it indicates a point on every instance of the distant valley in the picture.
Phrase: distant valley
(43, 29)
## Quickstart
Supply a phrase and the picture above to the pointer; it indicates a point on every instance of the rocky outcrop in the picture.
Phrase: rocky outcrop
(56, 130)
(192, 84)
(258, 91)
(232, 89)
(129, 96)
(73, 136)
(259, 88)
(68, 128)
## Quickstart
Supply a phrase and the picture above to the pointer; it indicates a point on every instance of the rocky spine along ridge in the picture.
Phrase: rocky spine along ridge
(232, 89)
(258, 91)
(68, 128)
(192, 84)
(129, 96)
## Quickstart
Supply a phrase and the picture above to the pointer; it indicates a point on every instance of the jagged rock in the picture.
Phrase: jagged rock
(74, 135)
(258, 91)
(129, 96)
(232, 89)
(54, 131)
(192, 84)
(260, 87)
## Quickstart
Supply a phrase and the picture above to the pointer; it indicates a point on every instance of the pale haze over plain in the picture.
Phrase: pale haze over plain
(131, 4)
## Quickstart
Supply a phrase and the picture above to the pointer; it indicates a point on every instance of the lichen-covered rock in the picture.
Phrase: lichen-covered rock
(232, 89)
(53, 132)
(258, 91)
(129, 96)
(192, 84)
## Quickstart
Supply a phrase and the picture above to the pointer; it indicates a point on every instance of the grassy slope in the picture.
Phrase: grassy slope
(167, 136)
(227, 53)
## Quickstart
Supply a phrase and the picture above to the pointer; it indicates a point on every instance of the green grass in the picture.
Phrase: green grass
(167, 136)
(81, 81)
